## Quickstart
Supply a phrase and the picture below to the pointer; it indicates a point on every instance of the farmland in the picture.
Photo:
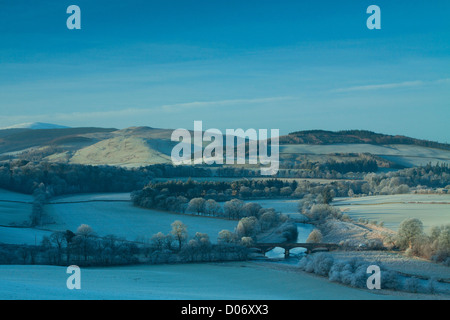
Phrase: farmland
(115, 214)
(432, 210)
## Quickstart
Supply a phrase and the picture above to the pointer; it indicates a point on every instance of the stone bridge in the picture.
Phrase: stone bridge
(310, 247)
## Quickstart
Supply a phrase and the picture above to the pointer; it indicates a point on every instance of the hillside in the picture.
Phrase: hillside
(142, 146)
(320, 146)
(15, 140)
(121, 151)
(321, 137)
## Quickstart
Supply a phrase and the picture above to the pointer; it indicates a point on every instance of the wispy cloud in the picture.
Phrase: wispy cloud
(394, 85)
(137, 113)
(220, 103)
(381, 86)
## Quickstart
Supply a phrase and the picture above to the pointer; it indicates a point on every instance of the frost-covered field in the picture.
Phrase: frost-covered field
(27, 236)
(115, 214)
(6, 195)
(228, 281)
(401, 263)
(13, 213)
(112, 214)
(15, 208)
(92, 197)
(105, 213)
(393, 209)
(404, 198)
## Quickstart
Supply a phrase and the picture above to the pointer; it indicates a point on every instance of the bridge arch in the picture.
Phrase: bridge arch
(310, 247)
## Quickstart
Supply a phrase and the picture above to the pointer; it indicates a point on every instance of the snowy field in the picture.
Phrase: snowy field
(6, 195)
(400, 263)
(113, 214)
(15, 209)
(26, 236)
(105, 213)
(401, 198)
(87, 197)
(14, 213)
(391, 150)
(432, 210)
(222, 281)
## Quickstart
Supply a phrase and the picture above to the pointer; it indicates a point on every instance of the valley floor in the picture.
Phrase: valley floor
(114, 214)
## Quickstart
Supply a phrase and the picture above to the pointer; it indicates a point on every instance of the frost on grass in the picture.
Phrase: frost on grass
(351, 272)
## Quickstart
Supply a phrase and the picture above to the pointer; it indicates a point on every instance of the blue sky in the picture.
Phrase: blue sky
(288, 65)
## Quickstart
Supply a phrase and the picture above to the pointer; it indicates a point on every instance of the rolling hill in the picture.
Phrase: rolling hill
(323, 137)
(141, 146)
(389, 151)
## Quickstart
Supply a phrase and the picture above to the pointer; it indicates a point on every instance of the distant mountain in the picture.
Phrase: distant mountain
(35, 126)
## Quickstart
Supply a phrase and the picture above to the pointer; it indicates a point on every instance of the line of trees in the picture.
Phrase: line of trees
(364, 165)
(254, 219)
(177, 195)
(348, 162)
(25, 177)
(174, 195)
(85, 248)
(82, 248)
(40, 198)
(429, 176)
(176, 246)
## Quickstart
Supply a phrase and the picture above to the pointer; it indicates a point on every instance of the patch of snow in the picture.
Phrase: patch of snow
(35, 126)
